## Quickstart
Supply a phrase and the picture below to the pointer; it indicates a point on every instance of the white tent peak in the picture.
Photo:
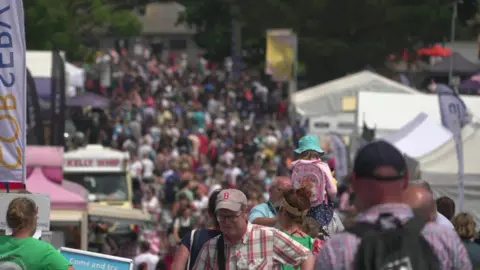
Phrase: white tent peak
(362, 79)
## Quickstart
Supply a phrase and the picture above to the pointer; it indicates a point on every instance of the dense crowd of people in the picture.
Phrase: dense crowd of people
(232, 182)
(217, 157)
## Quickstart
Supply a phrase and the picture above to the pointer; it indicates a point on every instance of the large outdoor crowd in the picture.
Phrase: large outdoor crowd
(233, 181)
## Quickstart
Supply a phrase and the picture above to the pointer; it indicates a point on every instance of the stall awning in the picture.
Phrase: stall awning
(66, 216)
(116, 214)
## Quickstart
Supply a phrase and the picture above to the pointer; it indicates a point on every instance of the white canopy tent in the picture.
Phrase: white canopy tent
(420, 136)
(327, 98)
(389, 112)
(76, 75)
(40, 65)
(440, 169)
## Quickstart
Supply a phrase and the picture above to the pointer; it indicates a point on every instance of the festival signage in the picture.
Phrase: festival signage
(13, 76)
(281, 54)
(58, 90)
(93, 162)
(34, 116)
(455, 116)
(84, 260)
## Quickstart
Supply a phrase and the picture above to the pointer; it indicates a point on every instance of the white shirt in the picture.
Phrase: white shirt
(148, 168)
(442, 220)
(144, 150)
(228, 157)
(151, 206)
(271, 140)
(202, 203)
(150, 259)
(136, 169)
(232, 174)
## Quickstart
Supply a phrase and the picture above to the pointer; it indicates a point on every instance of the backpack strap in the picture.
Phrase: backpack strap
(362, 228)
(415, 224)
(222, 263)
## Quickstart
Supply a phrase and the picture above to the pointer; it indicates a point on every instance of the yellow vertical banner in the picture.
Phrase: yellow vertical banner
(280, 54)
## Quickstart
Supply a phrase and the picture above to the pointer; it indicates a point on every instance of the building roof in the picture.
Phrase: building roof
(162, 18)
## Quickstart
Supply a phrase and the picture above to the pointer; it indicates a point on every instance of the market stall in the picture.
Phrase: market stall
(419, 136)
(68, 208)
(440, 169)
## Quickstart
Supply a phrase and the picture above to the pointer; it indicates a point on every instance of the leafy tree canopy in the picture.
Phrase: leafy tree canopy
(69, 25)
(335, 37)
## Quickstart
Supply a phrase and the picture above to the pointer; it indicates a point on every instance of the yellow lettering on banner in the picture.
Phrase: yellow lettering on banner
(11, 166)
(4, 106)
(17, 129)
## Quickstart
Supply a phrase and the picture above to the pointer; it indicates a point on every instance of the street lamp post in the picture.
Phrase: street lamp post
(236, 39)
(452, 40)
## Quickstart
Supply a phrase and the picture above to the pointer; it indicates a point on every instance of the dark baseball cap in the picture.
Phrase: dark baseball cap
(379, 154)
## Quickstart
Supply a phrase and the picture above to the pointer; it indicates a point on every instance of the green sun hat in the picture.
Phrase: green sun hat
(309, 143)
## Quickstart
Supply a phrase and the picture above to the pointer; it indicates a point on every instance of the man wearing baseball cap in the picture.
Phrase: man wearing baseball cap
(380, 176)
(239, 237)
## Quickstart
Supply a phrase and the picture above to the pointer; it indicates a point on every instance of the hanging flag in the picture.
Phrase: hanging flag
(455, 116)
(57, 129)
(13, 75)
(340, 155)
(34, 117)
(281, 46)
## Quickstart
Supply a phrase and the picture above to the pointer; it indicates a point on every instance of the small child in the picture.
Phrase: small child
(311, 172)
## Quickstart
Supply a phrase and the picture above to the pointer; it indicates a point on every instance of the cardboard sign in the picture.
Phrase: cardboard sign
(84, 260)
(41, 200)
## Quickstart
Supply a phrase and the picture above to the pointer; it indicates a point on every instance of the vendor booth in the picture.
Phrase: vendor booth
(440, 168)
(44, 176)
(420, 136)
(389, 112)
(331, 106)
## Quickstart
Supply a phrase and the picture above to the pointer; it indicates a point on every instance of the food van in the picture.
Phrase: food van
(103, 172)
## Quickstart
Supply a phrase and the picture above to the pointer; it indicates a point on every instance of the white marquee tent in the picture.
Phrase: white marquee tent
(389, 112)
(327, 98)
(419, 137)
(440, 169)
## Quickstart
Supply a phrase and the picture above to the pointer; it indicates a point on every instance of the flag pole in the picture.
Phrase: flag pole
(452, 40)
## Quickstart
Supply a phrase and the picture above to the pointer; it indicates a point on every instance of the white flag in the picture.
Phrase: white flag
(455, 116)
(341, 157)
(13, 92)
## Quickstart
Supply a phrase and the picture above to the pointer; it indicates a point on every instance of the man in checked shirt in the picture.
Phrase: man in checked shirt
(380, 177)
(249, 246)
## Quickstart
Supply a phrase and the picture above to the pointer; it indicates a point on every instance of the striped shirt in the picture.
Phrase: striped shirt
(261, 248)
(338, 252)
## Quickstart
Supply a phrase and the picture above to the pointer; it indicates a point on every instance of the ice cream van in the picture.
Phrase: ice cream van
(103, 172)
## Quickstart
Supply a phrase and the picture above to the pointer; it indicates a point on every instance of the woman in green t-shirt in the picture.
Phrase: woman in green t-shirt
(20, 250)
(293, 209)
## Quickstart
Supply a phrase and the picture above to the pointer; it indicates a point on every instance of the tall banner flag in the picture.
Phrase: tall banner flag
(280, 54)
(455, 116)
(57, 129)
(13, 76)
(340, 154)
(34, 116)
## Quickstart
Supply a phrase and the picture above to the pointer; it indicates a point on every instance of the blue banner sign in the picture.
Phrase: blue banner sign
(85, 260)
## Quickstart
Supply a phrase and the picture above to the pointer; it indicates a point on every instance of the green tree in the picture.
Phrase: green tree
(69, 25)
(335, 37)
